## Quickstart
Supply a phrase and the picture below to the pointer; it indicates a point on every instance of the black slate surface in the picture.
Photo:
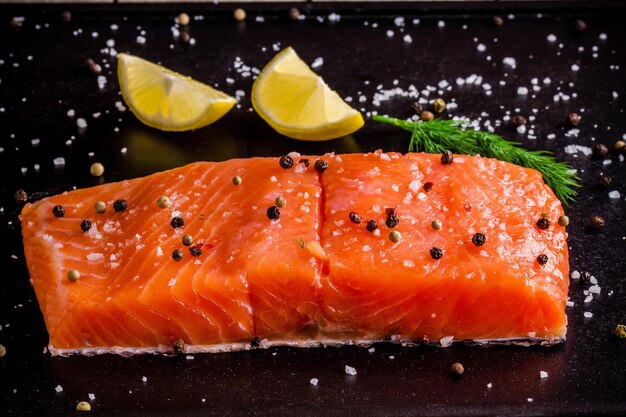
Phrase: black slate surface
(42, 76)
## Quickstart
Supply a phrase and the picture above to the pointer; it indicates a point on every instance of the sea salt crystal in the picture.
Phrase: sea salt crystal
(71, 113)
(91, 396)
(81, 123)
(481, 47)
(141, 40)
(594, 289)
(522, 91)
(58, 388)
(390, 33)
(543, 374)
(95, 257)
(59, 162)
(144, 379)
(334, 17)
(588, 299)
(189, 357)
(569, 303)
(551, 37)
(614, 194)
(371, 350)
(510, 62)
(318, 62)
(575, 67)
(350, 370)
(314, 381)
(489, 385)
(159, 251)
(588, 314)
(407, 39)
(530, 400)
(446, 341)
(441, 24)
(399, 21)
(603, 37)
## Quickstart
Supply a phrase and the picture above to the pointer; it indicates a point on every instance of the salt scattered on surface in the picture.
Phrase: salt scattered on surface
(59, 162)
(318, 62)
(144, 379)
(91, 396)
(58, 388)
(334, 17)
(578, 148)
(81, 123)
(407, 39)
(551, 37)
(390, 33)
(481, 47)
(543, 374)
(510, 62)
(614, 194)
(314, 381)
(575, 67)
(350, 370)
(530, 400)
(522, 91)
(588, 314)
(489, 385)
(446, 341)
(594, 289)
(569, 303)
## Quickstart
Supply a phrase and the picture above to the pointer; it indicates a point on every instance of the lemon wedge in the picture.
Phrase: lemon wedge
(297, 102)
(166, 100)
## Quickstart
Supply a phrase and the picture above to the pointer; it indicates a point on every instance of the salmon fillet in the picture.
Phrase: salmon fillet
(310, 274)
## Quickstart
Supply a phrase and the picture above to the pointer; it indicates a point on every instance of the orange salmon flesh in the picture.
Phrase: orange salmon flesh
(312, 276)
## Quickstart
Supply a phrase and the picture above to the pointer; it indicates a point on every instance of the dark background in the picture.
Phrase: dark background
(586, 374)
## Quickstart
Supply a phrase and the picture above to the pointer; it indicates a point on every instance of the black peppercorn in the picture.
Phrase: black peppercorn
(497, 20)
(286, 161)
(392, 221)
(479, 239)
(605, 181)
(195, 251)
(518, 120)
(543, 223)
(597, 222)
(20, 196)
(436, 253)
(177, 222)
(93, 66)
(184, 37)
(85, 225)
(65, 16)
(542, 259)
(355, 217)
(371, 226)
(273, 213)
(447, 157)
(417, 108)
(58, 211)
(255, 342)
(573, 119)
(177, 255)
(600, 150)
(178, 346)
(428, 186)
(321, 165)
(120, 205)
(305, 162)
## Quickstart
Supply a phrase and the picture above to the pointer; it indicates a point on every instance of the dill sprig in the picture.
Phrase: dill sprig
(437, 136)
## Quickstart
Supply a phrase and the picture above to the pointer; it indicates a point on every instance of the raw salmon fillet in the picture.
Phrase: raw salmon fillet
(313, 276)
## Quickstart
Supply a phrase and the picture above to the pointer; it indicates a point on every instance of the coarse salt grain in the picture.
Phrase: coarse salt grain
(588, 314)
(481, 47)
(446, 341)
(594, 289)
(58, 388)
(543, 374)
(569, 303)
(522, 91)
(614, 194)
(390, 33)
(59, 162)
(318, 62)
(407, 39)
(144, 379)
(510, 62)
(575, 67)
(314, 381)
(489, 385)
(349, 370)
(81, 123)
(91, 396)
(551, 37)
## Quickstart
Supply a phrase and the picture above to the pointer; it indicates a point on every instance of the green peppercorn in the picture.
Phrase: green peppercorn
(563, 221)
(439, 105)
(73, 275)
(395, 236)
(280, 202)
(163, 201)
(237, 180)
(83, 406)
(620, 331)
(187, 240)
(436, 224)
(100, 207)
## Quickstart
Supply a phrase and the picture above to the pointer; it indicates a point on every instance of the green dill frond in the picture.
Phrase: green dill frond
(437, 136)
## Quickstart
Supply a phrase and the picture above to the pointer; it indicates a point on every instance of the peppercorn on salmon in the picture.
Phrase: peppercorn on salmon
(364, 247)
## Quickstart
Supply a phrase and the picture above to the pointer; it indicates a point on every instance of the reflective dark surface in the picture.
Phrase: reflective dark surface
(585, 375)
